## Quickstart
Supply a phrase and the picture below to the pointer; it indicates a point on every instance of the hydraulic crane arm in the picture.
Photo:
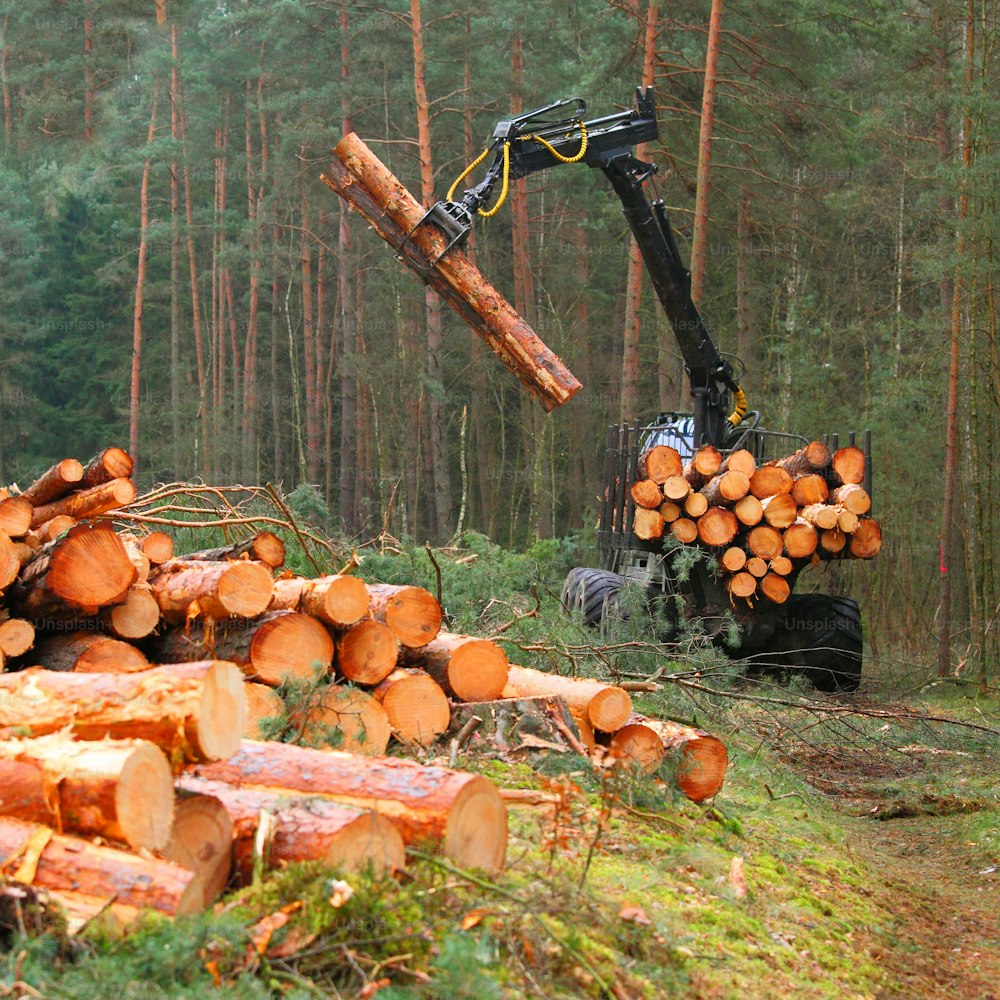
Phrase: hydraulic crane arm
(537, 141)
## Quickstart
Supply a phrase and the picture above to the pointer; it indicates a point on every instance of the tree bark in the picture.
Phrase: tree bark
(606, 706)
(88, 653)
(340, 601)
(54, 483)
(217, 590)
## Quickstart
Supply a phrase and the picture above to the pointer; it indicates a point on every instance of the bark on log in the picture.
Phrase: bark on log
(852, 497)
(82, 570)
(416, 705)
(265, 547)
(17, 636)
(368, 652)
(136, 617)
(88, 653)
(867, 539)
(56, 482)
(684, 530)
(305, 828)
(217, 590)
(800, 539)
(810, 489)
(122, 790)
(646, 494)
(765, 541)
(660, 463)
(701, 759)
(514, 724)
(779, 511)
(93, 502)
(158, 546)
(71, 864)
(345, 718)
(201, 841)
(263, 703)
(467, 668)
(463, 811)
(15, 516)
(648, 524)
(112, 463)
(775, 588)
(742, 584)
(814, 457)
(198, 709)
(607, 707)
(271, 648)
(727, 488)
(54, 527)
(358, 176)
(769, 481)
(848, 466)
(695, 505)
(820, 515)
(717, 526)
(340, 601)
(749, 511)
(411, 612)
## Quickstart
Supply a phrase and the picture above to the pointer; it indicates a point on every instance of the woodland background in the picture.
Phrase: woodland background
(174, 276)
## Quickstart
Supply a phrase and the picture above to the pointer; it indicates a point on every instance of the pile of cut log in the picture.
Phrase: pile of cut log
(763, 521)
(165, 761)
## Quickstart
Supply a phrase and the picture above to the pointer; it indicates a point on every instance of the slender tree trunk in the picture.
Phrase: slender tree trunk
(705, 154)
(249, 408)
(436, 423)
(175, 264)
(277, 460)
(745, 339)
(88, 72)
(308, 346)
(8, 110)
(140, 286)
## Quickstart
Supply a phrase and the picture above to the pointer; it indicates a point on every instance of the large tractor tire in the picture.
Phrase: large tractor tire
(591, 591)
(823, 635)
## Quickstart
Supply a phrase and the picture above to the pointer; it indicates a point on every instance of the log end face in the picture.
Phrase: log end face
(610, 709)
(639, 745)
(345, 601)
(702, 768)
(245, 589)
(202, 842)
(414, 615)
(91, 568)
(222, 715)
(476, 830)
(370, 840)
(478, 671)
(144, 799)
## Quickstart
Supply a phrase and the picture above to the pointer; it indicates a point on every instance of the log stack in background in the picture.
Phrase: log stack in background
(763, 522)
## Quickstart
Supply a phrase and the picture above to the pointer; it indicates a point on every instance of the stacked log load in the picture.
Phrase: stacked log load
(136, 682)
(763, 522)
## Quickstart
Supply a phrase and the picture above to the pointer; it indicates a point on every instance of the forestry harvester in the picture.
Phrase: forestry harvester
(818, 633)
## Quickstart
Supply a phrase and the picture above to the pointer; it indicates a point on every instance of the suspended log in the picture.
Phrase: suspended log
(748, 511)
(411, 612)
(684, 530)
(15, 516)
(337, 600)
(515, 724)
(271, 648)
(756, 567)
(345, 718)
(158, 546)
(703, 466)
(717, 526)
(775, 588)
(733, 559)
(669, 511)
(263, 703)
(136, 617)
(765, 541)
(88, 653)
(358, 176)
(198, 709)
(56, 482)
(810, 489)
(741, 460)
(605, 705)
(416, 705)
(646, 494)
(848, 465)
(659, 463)
(53, 861)
(742, 584)
(800, 539)
(82, 570)
(216, 590)
(814, 457)
(122, 790)
(112, 463)
(461, 810)
(201, 841)
(727, 488)
(867, 539)
(779, 511)
(264, 547)
(367, 652)
(467, 668)
(303, 828)
(648, 524)
(97, 500)
(700, 762)
(695, 505)
(769, 481)
(852, 497)
(17, 636)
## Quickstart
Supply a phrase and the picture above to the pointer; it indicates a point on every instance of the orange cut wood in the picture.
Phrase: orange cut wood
(684, 530)
(92, 502)
(733, 559)
(112, 463)
(847, 521)
(198, 709)
(775, 588)
(848, 465)
(217, 590)
(264, 704)
(646, 494)
(54, 527)
(769, 481)
(669, 511)
(748, 511)
(810, 489)
(659, 463)
(765, 541)
(742, 584)
(122, 790)
(265, 547)
(820, 515)
(201, 840)
(703, 465)
(462, 811)
(781, 565)
(648, 524)
(17, 636)
(756, 566)
(367, 652)
(741, 460)
(726, 488)
(779, 511)
(70, 863)
(812, 458)
(158, 546)
(416, 705)
(340, 601)
(867, 539)
(345, 718)
(411, 612)
(303, 828)
(10, 560)
(88, 653)
(717, 526)
(695, 505)
(15, 516)
(852, 497)
(54, 483)
(800, 539)
(605, 705)
(833, 540)
(467, 668)
(136, 617)
(676, 488)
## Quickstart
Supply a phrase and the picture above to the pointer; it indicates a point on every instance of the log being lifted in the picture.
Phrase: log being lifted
(119, 789)
(303, 828)
(264, 547)
(468, 668)
(362, 180)
(606, 706)
(217, 590)
(198, 709)
(701, 762)
(49, 860)
(464, 811)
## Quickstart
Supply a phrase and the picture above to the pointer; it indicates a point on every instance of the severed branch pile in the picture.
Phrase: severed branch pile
(136, 684)
(763, 522)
